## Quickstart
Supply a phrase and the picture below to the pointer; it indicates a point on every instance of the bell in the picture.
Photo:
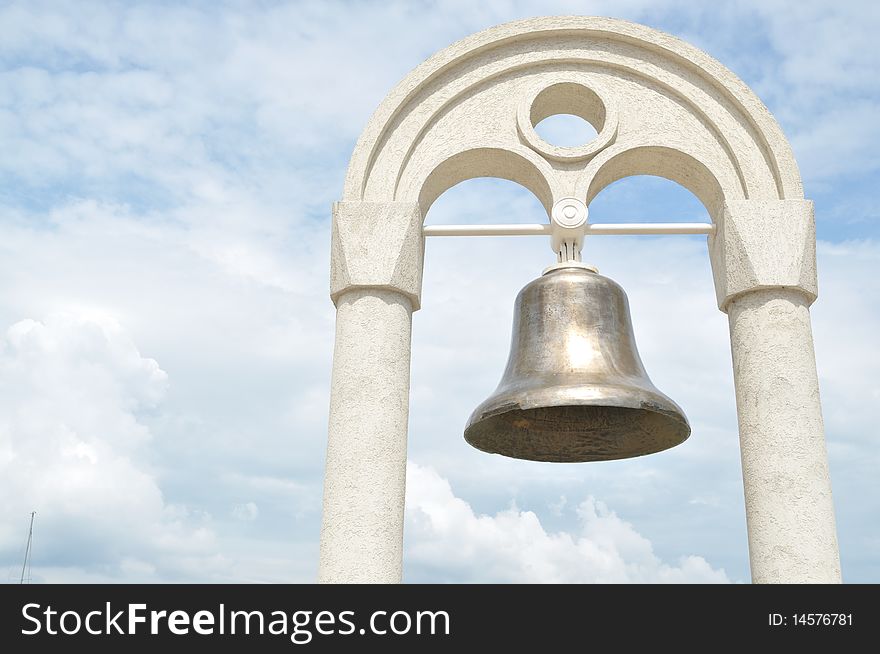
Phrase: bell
(575, 388)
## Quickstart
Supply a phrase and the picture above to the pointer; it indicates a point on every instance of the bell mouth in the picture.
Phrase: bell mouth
(577, 433)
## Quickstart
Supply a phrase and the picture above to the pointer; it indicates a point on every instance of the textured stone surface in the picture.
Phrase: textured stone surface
(377, 245)
(764, 244)
(362, 531)
(662, 107)
(666, 95)
(792, 538)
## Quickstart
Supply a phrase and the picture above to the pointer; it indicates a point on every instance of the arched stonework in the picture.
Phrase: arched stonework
(660, 107)
(469, 110)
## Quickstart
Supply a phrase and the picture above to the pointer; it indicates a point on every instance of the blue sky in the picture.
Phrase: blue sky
(166, 331)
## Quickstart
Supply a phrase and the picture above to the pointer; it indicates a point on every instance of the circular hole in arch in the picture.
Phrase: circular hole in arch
(568, 114)
(566, 130)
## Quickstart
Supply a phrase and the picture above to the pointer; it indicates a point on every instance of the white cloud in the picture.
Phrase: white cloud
(445, 537)
(73, 449)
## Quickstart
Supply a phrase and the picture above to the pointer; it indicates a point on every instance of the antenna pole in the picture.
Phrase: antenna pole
(27, 551)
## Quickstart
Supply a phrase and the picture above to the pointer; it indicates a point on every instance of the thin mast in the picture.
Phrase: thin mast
(27, 550)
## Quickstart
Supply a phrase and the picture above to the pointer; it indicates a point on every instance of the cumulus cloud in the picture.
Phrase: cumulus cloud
(72, 448)
(447, 538)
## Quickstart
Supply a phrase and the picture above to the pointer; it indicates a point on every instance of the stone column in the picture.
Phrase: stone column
(764, 264)
(376, 274)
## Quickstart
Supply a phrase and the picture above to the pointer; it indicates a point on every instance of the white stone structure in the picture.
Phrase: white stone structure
(660, 107)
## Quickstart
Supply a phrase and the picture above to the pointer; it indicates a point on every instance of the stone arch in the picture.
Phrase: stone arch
(661, 107)
(460, 115)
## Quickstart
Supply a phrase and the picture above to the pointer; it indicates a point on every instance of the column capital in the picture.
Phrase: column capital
(761, 244)
(377, 245)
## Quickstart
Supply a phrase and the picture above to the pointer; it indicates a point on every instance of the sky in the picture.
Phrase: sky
(166, 177)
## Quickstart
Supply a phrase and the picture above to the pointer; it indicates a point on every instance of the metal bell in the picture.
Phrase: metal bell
(575, 388)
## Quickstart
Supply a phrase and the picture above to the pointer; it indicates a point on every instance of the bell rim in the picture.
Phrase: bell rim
(680, 432)
(616, 397)
(644, 396)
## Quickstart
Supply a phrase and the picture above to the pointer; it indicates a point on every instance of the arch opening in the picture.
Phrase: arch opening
(486, 162)
(659, 161)
(647, 199)
(486, 200)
